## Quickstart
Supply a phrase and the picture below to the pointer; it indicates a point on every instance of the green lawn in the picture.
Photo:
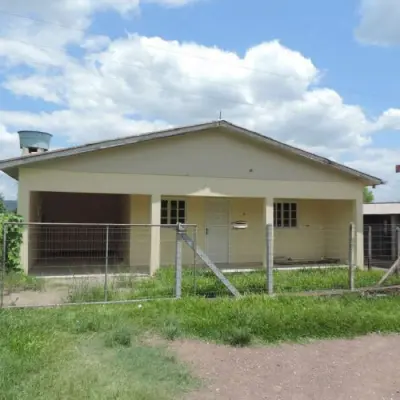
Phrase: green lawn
(97, 352)
(83, 354)
(204, 283)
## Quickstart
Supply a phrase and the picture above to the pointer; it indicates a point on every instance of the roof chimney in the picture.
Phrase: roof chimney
(32, 142)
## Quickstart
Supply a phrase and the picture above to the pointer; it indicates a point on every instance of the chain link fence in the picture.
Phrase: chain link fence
(92, 263)
(381, 245)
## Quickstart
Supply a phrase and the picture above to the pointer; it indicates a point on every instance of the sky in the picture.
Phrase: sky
(320, 75)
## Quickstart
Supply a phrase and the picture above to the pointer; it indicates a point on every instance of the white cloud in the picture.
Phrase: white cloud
(135, 84)
(81, 126)
(96, 43)
(37, 87)
(379, 22)
(380, 162)
(270, 89)
(390, 120)
(8, 148)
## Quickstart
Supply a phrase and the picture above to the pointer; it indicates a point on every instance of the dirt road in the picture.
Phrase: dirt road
(363, 369)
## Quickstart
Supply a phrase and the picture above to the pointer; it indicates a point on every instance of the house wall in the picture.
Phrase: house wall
(244, 246)
(208, 164)
(316, 236)
(337, 219)
(33, 232)
(140, 237)
(32, 179)
(241, 246)
(306, 241)
(227, 155)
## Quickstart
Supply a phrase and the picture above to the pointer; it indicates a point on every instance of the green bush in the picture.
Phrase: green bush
(13, 241)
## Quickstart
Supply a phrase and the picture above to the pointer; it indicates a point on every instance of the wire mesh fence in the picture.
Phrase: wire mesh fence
(381, 245)
(89, 263)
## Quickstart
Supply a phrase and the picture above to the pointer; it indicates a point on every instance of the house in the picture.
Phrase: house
(210, 175)
(381, 221)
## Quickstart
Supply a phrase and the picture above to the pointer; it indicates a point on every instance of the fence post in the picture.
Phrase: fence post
(3, 265)
(195, 260)
(106, 264)
(351, 254)
(270, 259)
(178, 263)
(369, 247)
(397, 247)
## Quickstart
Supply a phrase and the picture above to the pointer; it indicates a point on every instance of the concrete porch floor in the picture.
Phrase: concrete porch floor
(71, 269)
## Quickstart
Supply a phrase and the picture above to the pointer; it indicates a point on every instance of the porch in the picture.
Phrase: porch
(79, 233)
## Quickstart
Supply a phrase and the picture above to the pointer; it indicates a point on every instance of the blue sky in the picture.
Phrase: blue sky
(319, 75)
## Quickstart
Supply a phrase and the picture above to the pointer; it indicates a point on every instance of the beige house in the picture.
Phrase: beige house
(210, 175)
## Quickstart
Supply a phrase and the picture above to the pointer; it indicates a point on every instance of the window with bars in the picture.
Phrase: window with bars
(173, 211)
(285, 215)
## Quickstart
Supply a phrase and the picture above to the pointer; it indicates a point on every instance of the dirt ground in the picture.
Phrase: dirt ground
(36, 298)
(360, 369)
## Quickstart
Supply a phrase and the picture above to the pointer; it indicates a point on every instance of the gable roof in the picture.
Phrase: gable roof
(10, 166)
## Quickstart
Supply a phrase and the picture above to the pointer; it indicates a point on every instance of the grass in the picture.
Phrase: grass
(18, 281)
(239, 337)
(121, 337)
(204, 283)
(97, 352)
(50, 354)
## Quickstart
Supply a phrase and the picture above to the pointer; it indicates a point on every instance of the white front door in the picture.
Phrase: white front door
(217, 230)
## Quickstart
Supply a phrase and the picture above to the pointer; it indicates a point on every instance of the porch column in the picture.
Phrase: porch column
(358, 220)
(155, 217)
(268, 218)
(24, 211)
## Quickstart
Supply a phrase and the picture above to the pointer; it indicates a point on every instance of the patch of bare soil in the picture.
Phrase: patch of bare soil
(51, 296)
(362, 369)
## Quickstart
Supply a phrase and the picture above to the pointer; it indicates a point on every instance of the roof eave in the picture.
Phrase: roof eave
(14, 163)
(12, 172)
(106, 144)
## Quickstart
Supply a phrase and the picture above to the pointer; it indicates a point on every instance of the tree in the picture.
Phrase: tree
(3, 208)
(368, 195)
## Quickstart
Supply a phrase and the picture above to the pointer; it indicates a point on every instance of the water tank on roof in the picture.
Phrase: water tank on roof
(32, 142)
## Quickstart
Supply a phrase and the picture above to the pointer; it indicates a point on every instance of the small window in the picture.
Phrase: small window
(285, 215)
(173, 211)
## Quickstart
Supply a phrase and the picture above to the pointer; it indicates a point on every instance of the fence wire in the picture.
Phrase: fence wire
(92, 263)
(89, 263)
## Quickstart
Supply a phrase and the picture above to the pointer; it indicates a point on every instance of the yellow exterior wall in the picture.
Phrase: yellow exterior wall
(208, 164)
(203, 154)
(32, 179)
(306, 241)
(34, 231)
(194, 215)
(322, 231)
(338, 216)
(247, 245)
(139, 236)
(244, 246)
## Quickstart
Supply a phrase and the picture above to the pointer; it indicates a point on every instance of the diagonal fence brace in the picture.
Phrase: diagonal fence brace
(185, 237)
